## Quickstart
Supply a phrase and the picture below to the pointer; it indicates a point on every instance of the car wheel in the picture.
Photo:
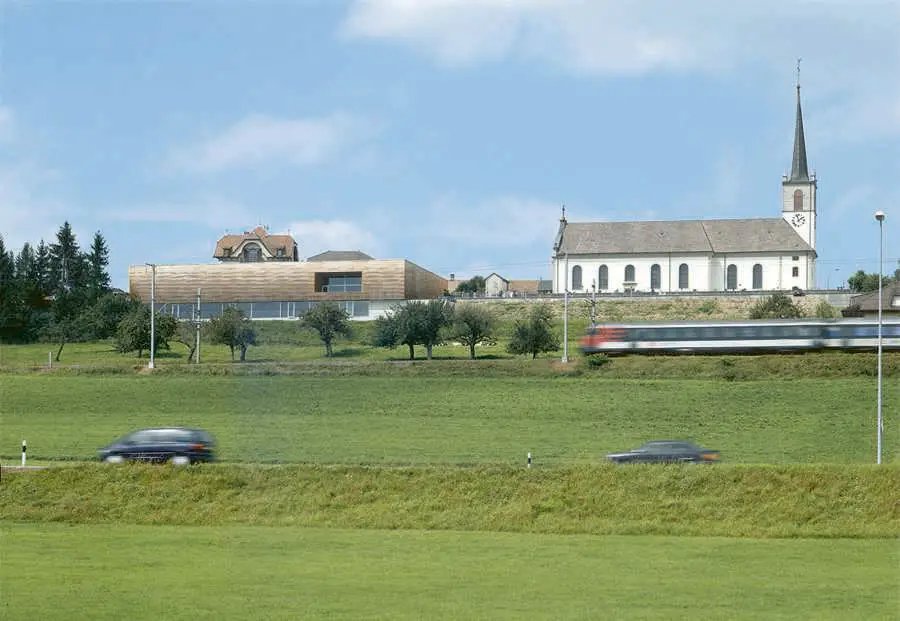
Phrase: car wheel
(114, 459)
(180, 460)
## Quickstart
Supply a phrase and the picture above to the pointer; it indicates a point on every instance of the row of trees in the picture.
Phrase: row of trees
(437, 322)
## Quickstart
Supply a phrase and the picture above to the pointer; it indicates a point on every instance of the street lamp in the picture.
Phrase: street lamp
(879, 215)
(152, 314)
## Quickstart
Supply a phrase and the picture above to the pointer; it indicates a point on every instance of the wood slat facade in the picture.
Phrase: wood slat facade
(382, 279)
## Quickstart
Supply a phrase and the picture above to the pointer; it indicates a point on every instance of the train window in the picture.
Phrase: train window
(691, 333)
(730, 333)
(747, 333)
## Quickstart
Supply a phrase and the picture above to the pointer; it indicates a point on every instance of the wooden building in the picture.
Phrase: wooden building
(367, 288)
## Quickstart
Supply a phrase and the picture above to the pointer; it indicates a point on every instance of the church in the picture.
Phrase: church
(764, 254)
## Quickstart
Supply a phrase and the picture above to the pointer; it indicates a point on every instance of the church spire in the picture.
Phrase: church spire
(799, 168)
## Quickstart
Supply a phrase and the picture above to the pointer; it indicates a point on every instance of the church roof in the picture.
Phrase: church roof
(799, 167)
(707, 236)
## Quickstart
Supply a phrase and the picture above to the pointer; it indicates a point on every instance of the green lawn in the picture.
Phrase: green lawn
(70, 573)
(450, 420)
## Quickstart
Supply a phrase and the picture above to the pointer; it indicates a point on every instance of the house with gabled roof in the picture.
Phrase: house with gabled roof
(256, 246)
(697, 255)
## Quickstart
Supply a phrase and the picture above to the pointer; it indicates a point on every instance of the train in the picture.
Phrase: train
(750, 336)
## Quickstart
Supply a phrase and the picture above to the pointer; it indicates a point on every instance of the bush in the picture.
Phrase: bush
(777, 306)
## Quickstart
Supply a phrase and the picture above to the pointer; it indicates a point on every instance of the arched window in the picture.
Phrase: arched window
(683, 272)
(655, 277)
(576, 277)
(251, 253)
(629, 273)
(757, 276)
(798, 200)
(731, 277)
(603, 278)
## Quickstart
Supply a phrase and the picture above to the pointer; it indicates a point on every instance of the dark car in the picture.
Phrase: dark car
(177, 445)
(666, 451)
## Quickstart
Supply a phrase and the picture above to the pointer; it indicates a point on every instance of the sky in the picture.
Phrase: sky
(445, 132)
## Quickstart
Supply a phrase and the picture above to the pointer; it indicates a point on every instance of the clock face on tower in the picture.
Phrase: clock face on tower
(798, 219)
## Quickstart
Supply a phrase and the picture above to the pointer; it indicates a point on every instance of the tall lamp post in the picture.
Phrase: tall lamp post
(152, 314)
(879, 215)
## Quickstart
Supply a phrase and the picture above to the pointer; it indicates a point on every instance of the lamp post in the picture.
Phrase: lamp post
(152, 314)
(879, 215)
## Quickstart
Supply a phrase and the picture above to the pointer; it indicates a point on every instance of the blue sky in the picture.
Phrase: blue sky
(447, 132)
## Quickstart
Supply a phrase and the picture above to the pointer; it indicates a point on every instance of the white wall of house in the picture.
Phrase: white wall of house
(495, 285)
(705, 272)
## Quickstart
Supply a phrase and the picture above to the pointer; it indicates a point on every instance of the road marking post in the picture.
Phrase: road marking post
(23, 452)
(529, 459)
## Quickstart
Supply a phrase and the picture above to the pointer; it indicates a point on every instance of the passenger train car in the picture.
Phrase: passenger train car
(750, 336)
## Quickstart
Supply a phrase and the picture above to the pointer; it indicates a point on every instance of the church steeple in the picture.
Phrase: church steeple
(799, 167)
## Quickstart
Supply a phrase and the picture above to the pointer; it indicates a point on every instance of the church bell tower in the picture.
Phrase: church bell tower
(798, 191)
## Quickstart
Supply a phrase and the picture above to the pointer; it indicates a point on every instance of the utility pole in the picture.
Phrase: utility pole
(197, 348)
(152, 314)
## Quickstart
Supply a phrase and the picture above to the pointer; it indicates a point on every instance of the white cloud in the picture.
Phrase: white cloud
(501, 222)
(6, 123)
(850, 45)
(259, 139)
(315, 236)
(209, 211)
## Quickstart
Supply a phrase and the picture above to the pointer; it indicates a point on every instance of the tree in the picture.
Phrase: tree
(68, 319)
(534, 335)
(234, 329)
(97, 277)
(66, 261)
(777, 306)
(186, 334)
(109, 310)
(329, 320)
(473, 324)
(436, 315)
(473, 285)
(133, 333)
(11, 305)
(861, 282)
(415, 323)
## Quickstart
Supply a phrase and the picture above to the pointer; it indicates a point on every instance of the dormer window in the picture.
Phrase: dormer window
(226, 251)
(280, 252)
(251, 253)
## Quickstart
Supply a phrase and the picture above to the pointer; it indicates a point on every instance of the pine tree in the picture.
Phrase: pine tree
(97, 262)
(65, 261)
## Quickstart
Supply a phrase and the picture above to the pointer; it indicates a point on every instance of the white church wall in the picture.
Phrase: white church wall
(616, 265)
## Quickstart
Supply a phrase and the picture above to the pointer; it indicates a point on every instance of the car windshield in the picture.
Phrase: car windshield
(158, 436)
(667, 447)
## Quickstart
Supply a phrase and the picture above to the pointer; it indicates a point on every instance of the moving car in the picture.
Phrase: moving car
(177, 445)
(666, 451)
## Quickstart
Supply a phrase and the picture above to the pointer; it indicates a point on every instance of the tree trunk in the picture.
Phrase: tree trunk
(412, 353)
(472, 351)
(533, 355)
(328, 351)
(140, 353)
(232, 352)
(428, 351)
(59, 351)
(243, 353)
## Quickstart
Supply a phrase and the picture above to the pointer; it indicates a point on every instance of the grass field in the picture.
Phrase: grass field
(111, 572)
(734, 501)
(450, 420)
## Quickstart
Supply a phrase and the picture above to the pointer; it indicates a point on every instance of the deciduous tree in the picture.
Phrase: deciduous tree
(329, 320)
(234, 329)
(473, 324)
(535, 334)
